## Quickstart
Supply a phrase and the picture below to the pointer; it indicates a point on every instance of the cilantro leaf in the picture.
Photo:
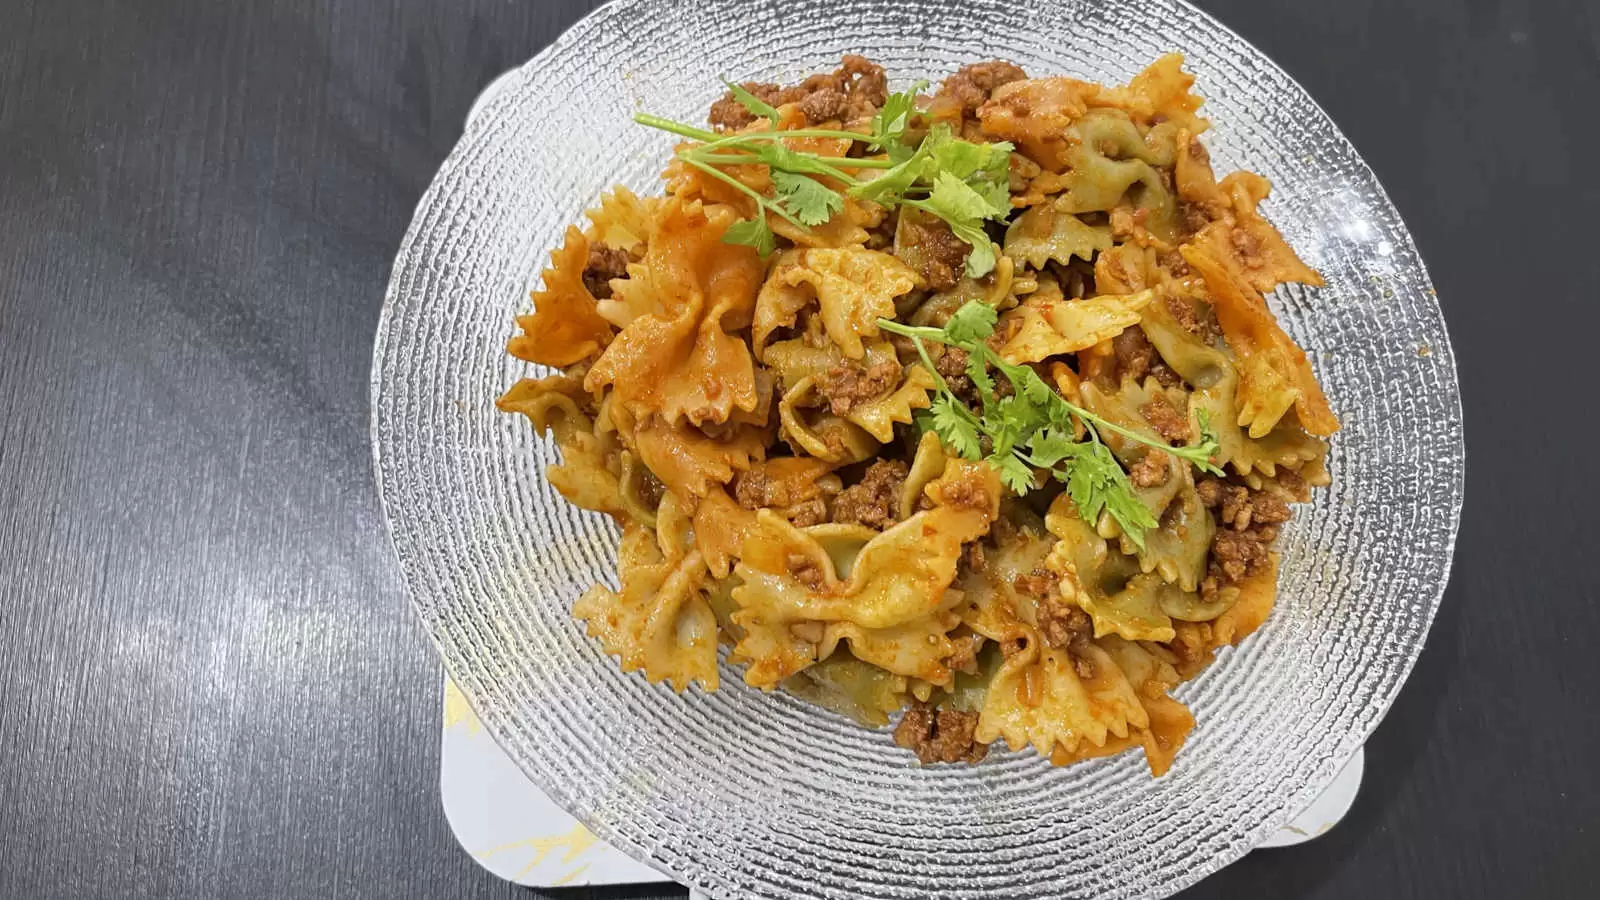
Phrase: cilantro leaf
(955, 201)
(953, 423)
(809, 200)
(986, 168)
(981, 258)
(781, 157)
(1014, 473)
(890, 185)
(889, 124)
(752, 233)
(1050, 446)
(978, 372)
(1209, 446)
(964, 210)
(757, 107)
(973, 322)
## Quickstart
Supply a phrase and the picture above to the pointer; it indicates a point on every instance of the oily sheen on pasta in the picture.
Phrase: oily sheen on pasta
(961, 406)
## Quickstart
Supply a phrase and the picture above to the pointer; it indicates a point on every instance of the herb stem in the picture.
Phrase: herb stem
(1191, 454)
(678, 128)
(762, 203)
(735, 159)
(917, 332)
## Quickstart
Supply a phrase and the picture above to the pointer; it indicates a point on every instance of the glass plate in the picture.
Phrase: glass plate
(740, 793)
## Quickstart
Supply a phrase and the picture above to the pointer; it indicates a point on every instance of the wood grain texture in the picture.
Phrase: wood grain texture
(210, 682)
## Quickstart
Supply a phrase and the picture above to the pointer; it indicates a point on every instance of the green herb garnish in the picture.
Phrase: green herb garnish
(1036, 428)
(961, 182)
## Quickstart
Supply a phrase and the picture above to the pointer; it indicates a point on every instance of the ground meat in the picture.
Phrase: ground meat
(1191, 218)
(975, 558)
(941, 256)
(1239, 507)
(823, 105)
(1173, 262)
(605, 263)
(811, 512)
(964, 654)
(952, 365)
(1248, 246)
(1236, 555)
(940, 735)
(1038, 583)
(875, 500)
(1292, 485)
(1210, 491)
(753, 489)
(1137, 359)
(1182, 311)
(851, 384)
(972, 85)
(1135, 354)
(1152, 470)
(1165, 419)
(1251, 519)
(853, 91)
(805, 570)
(651, 489)
(1061, 624)
(730, 115)
(965, 491)
(1013, 646)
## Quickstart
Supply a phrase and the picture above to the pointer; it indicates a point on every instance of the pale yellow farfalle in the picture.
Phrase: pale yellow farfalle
(1047, 325)
(1216, 381)
(1096, 579)
(878, 417)
(660, 622)
(916, 649)
(1274, 373)
(590, 472)
(851, 287)
(720, 529)
(1034, 113)
(1045, 234)
(623, 220)
(1165, 723)
(1039, 698)
(855, 689)
(691, 462)
(793, 590)
(565, 327)
(1161, 94)
(846, 229)
(994, 607)
(1196, 643)
(815, 431)
(801, 367)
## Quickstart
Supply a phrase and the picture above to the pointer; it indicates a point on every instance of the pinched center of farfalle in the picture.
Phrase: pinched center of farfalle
(887, 595)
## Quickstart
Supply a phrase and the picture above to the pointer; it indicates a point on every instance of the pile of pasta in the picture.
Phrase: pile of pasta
(754, 431)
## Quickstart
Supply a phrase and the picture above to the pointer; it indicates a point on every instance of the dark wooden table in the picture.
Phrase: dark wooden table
(210, 682)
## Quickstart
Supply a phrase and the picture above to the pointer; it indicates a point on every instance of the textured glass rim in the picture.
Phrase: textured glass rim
(687, 870)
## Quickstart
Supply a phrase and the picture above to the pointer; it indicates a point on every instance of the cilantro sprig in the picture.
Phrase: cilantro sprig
(1036, 427)
(965, 184)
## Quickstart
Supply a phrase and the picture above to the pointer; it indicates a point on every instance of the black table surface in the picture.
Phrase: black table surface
(211, 683)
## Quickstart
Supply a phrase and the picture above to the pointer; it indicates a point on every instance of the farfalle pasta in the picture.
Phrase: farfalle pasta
(961, 410)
